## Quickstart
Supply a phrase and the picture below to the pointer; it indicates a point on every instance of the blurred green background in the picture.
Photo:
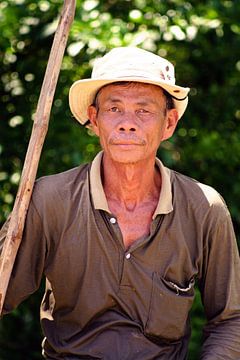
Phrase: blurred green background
(201, 38)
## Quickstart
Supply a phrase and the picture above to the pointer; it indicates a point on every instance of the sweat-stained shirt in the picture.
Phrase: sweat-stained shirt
(103, 301)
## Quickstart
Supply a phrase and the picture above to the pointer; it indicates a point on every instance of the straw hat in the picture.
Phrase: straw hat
(126, 64)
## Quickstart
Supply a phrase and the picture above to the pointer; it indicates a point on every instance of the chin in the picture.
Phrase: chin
(127, 157)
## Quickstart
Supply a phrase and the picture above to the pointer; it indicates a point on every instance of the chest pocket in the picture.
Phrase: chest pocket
(169, 308)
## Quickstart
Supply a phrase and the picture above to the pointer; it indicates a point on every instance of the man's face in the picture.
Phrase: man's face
(131, 121)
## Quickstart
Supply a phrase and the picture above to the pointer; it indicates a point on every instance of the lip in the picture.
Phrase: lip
(127, 142)
(127, 146)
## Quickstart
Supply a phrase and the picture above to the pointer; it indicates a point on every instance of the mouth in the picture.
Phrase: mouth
(126, 144)
(127, 141)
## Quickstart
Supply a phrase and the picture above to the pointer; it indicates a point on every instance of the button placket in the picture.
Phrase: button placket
(127, 266)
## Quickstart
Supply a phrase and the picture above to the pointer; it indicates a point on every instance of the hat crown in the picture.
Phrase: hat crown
(126, 64)
(129, 62)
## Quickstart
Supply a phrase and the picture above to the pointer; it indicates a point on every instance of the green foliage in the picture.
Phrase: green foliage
(202, 39)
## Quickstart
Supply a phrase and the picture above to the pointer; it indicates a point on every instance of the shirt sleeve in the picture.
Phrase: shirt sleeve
(29, 263)
(220, 288)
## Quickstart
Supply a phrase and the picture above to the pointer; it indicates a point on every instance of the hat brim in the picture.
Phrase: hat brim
(83, 92)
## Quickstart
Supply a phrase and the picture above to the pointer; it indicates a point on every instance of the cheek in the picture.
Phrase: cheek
(104, 132)
(155, 133)
(106, 126)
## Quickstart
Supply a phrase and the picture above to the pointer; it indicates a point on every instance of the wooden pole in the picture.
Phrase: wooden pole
(39, 131)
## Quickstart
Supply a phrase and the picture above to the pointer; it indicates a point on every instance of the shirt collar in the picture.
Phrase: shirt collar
(164, 205)
(98, 195)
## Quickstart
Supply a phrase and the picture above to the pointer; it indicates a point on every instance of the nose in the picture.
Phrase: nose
(127, 124)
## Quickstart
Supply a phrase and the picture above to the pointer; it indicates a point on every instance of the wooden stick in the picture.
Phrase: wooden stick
(39, 131)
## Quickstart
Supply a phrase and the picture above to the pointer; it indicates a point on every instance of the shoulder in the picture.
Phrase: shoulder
(60, 186)
(75, 174)
(198, 196)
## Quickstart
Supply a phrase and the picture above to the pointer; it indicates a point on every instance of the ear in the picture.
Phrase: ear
(171, 123)
(92, 116)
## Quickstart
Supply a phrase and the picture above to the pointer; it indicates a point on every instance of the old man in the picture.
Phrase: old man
(123, 240)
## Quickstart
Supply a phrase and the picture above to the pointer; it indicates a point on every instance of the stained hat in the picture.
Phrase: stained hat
(126, 64)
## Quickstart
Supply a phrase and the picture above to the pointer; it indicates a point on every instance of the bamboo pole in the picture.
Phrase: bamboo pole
(39, 131)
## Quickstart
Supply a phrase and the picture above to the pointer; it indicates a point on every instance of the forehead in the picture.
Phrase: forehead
(131, 89)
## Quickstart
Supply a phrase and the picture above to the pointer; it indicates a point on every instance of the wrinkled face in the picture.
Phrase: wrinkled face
(131, 121)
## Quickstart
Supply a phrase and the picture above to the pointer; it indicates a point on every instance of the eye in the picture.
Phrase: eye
(143, 111)
(114, 109)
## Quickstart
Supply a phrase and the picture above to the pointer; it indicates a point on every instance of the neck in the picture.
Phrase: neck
(130, 185)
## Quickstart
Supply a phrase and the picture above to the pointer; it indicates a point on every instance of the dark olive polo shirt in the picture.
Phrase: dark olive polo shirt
(103, 301)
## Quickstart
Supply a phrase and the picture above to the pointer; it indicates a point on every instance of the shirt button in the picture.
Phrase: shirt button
(113, 220)
(128, 256)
